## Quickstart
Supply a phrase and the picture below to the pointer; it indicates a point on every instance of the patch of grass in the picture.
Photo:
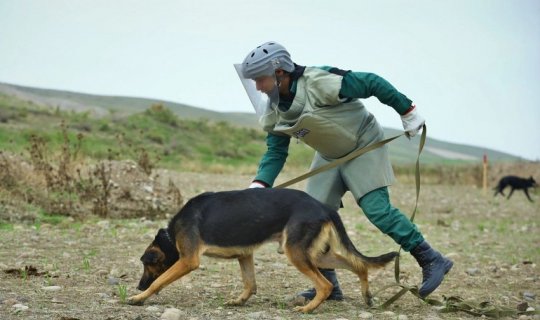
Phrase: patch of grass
(6, 226)
(86, 264)
(122, 293)
(50, 218)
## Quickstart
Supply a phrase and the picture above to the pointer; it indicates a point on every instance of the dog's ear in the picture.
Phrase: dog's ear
(150, 257)
(162, 234)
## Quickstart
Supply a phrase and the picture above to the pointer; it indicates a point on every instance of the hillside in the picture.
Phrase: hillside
(402, 151)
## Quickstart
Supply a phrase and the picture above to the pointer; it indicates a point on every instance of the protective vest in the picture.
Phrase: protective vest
(334, 127)
(318, 117)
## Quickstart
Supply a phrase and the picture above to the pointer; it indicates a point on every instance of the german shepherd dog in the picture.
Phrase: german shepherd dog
(515, 183)
(233, 224)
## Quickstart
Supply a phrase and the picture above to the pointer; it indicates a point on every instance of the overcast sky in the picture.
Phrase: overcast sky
(471, 66)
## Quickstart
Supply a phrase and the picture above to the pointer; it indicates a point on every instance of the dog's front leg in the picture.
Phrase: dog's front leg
(179, 269)
(247, 269)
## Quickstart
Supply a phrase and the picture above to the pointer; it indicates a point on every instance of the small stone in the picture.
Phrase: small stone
(529, 295)
(365, 315)
(113, 281)
(20, 307)
(52, 288)
(152, 309)
(472, 271)
(171, 314)
(103, 295)
(403, 317)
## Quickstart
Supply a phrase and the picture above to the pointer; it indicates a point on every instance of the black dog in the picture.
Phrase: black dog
(233, 224)
(515, 183)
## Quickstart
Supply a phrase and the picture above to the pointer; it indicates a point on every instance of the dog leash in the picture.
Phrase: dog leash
(344, 159)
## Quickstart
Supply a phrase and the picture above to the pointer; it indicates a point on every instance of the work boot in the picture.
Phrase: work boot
(330, 275)
(434, 267)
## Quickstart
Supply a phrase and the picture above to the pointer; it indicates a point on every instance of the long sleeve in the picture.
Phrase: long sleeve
(365, 85)
(274, 159)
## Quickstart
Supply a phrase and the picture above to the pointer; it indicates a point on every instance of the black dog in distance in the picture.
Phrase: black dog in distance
(515, 183)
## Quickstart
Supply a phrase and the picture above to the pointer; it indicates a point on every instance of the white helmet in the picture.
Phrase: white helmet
(265, 60)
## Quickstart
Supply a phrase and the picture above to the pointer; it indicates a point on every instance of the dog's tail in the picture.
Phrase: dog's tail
(371, 262)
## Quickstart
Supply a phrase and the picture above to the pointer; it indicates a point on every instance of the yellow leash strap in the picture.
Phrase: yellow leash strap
(339, 161)
(417, 183)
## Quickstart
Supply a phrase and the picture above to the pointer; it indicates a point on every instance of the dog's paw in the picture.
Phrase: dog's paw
(235, 302)
(304, 309)
(133, 301)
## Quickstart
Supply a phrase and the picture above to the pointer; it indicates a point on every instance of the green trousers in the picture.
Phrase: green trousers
(377, 208)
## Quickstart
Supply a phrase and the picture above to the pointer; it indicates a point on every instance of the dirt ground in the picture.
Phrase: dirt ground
(78, 270)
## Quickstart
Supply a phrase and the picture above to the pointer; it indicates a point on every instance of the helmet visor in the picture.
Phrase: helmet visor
(262, 91)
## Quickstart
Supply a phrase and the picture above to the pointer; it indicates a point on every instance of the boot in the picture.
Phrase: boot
(434, 267)
(330, 275)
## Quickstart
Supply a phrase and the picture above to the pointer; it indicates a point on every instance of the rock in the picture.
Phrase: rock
(365, 315)
(473, 271)
(51, 288)
(103, 295)
(403, 317)
(20, 307)
(152, 309)
(113, 281)
(171, 314)
(529, 295)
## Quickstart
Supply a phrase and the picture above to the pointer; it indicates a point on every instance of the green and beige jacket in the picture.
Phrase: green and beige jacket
(325, 113)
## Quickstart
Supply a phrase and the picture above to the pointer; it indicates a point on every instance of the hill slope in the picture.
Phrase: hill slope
(402, 151)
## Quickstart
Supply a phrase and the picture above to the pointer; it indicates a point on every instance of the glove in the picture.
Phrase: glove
(256, 184)
(412, 122)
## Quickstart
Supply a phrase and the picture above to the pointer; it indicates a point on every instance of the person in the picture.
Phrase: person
(321, 106)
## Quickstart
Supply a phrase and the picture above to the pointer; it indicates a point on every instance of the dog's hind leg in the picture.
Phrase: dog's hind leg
(510, 194)
(303, 263)
(364, 285)
(179, 269)
(334, 260)
(248, 278)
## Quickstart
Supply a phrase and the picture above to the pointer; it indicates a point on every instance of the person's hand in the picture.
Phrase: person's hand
(412, 122)
(256, 184)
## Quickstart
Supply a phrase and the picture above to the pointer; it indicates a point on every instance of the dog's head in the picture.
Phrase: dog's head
(160, 255)
(533, 182)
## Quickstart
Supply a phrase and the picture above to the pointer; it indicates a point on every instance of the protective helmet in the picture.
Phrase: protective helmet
(265, 59)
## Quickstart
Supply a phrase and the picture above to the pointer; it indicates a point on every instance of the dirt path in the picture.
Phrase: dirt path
(81, 268)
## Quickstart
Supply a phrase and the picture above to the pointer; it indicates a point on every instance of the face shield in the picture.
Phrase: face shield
(261, 88)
